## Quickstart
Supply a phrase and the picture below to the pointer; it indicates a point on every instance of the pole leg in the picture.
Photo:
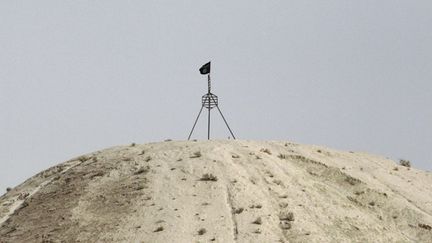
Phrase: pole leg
(196, 120)
(208, 131)
(226, 123)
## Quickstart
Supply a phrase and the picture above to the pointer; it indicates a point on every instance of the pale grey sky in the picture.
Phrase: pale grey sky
(78, 76)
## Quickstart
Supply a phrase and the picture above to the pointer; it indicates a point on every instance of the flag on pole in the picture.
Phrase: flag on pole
(205, 69)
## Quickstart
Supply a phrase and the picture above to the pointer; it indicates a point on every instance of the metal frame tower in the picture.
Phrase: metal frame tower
(209, 101)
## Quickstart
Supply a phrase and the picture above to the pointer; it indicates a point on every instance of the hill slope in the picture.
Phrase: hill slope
(221, 191)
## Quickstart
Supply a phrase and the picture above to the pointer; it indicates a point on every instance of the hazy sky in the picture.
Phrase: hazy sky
(78, 76)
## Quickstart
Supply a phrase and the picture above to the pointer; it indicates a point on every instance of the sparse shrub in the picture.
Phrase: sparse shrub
(319, 151)
(278, 182)
(283, 204)
(23, 205)
(23, 195)
(257, 221)
(238, 210)
(197, 154)
(208, 177)
(372, 203)
(282, 156)
(8, 189)
(425, 226)
(142, 170)
(235, 156)
(168, 140)
(257, 157)
(97, 174)
(405, 163)
(147, 159)
(255, 206)
(202, 231)
(351, 180)
(312, 173)
(139, 187)
(396, 168)
(133, 144)
(352, 199)
(267, 151)
(83, 158)
(158, 229)
(285, 225)
(286, 215)
(269, 174)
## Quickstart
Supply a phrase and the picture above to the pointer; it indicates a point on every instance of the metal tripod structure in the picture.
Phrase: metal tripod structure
(209, 101)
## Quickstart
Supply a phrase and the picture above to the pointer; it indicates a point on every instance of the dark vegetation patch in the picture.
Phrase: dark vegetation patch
(142, 170)
(202, 231)
(425, 226)
(266, 150)
(159, 229)
(257, 221)
(196, 154)
(405, 163)
(208, 177)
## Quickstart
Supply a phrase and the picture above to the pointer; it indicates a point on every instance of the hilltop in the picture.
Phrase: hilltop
(221, 191)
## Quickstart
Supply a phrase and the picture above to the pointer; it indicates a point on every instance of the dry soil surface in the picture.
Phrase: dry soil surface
(221, 191)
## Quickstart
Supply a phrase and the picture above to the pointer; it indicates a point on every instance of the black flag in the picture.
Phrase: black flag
(205, 69)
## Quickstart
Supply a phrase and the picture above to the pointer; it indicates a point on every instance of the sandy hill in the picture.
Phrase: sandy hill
(221, 191)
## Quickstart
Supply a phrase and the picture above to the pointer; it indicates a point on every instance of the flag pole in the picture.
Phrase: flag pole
(208, 107)
(209, 83)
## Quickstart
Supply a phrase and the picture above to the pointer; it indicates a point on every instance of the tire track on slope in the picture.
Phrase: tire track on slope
(229, 203)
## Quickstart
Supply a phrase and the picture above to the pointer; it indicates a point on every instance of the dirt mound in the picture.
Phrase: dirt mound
(221, 191)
